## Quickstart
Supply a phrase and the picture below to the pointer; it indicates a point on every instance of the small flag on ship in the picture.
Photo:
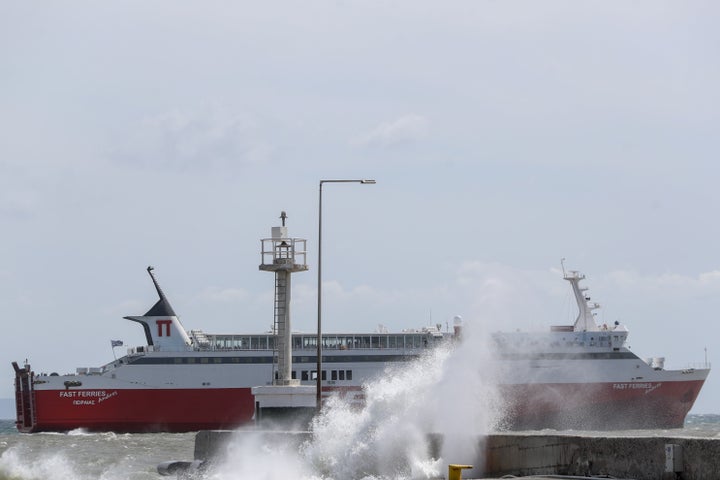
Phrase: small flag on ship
(116, 343)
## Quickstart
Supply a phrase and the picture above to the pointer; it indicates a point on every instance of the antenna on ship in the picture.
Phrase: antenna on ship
(283, 255)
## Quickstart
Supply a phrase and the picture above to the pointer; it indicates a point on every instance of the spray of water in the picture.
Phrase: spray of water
(20, 463)
(449, 392)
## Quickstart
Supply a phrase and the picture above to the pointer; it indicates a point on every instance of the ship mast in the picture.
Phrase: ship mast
(585, 321)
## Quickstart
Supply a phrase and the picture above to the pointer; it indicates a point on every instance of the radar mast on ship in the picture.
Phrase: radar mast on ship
(585, 321)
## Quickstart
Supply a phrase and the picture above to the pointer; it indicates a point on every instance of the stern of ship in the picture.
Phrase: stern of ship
(25, 414)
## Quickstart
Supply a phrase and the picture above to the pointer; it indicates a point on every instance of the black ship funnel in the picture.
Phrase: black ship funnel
(162, 308)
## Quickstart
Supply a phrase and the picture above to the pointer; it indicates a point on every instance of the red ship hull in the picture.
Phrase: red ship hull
(143, 410)
(603, 406)
(138, 411)
(563, 406)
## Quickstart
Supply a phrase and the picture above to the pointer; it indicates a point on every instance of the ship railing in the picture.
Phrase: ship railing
(697, 366)
(86, 371)
(686, 368)
(407, 340)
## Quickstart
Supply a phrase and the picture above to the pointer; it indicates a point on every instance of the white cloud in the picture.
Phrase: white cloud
(127, 307)
(710, 278)
(405, 129)
(192, 139)
(676, 283)
(224, 295)
(18, 203)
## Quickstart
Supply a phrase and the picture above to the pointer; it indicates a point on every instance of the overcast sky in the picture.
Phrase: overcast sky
(503, 136)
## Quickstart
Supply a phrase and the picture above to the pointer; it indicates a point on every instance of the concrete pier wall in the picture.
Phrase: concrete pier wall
(640, 458)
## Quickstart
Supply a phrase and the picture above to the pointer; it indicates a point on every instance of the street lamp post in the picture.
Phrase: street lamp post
(319, 286)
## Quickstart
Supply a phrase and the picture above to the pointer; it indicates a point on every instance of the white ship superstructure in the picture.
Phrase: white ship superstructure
(574, 376)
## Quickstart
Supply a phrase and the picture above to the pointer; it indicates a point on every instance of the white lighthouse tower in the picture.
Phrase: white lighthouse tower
(284, 256)
(285, 398)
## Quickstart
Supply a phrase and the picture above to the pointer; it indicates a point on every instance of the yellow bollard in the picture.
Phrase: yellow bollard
(455, 471)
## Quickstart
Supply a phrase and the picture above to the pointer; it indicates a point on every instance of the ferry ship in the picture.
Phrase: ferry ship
(580, 376)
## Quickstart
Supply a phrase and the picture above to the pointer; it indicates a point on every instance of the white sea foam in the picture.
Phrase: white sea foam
(446, 391)
(21, 463)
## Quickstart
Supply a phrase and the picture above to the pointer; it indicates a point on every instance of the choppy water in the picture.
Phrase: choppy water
(84, 456)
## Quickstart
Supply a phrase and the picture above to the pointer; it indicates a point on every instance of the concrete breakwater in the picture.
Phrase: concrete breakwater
(525, 454)
(640, 458)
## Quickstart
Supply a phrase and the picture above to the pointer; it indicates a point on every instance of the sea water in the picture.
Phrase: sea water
(84, 456)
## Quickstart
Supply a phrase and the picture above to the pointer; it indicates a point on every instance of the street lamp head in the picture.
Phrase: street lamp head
(364, 181)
